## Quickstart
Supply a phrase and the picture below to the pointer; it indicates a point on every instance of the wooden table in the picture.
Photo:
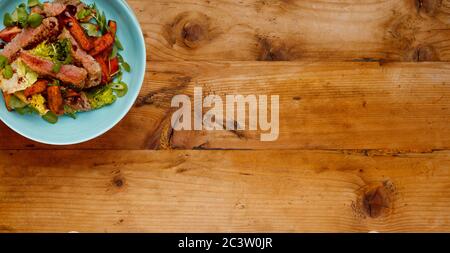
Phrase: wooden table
(364, 142)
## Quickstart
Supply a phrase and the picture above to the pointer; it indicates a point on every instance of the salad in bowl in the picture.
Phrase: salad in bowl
(60, 58)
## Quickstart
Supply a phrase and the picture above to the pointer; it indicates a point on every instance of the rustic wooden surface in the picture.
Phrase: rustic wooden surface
(364, 127)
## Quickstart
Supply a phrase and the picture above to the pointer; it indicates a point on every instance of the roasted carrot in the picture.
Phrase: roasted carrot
(38, 87)
(55, 100)
(7, 98)
(112, 27)
(102, 43)
(105, 70)
(78, 33)
(8, 34)
(113, 67)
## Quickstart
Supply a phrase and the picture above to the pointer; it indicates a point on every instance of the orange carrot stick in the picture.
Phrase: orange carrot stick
(78, 33)
(38, 87)
(113, 67)
(105, 70)
(112, 27)
(102, 43)
(8, 34)
(55, 100)
(7, 98)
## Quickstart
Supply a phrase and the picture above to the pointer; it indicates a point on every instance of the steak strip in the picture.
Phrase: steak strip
(49, 9)
(30, 37)
(88, 62)
(68, 74)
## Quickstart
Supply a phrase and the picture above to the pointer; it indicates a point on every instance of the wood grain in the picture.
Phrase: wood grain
(364, 134)
(399, 106)
(208, 191)
(350, 30)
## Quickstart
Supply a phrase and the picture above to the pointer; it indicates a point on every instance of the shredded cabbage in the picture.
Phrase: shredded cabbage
(23, 78)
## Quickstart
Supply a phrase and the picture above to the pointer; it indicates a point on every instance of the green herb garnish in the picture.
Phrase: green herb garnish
(69, 111)
(7, 72)
(120, 88)
(3, 61)
(56, 67)
(22, 16)
(50, 117)
(101, 97)
(8, 20)
(35, 20)
(16, 103)
(33, 3)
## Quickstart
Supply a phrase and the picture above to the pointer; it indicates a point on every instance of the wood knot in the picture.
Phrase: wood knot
(118, 181)
(377, 200)
(422, 53)
(273, 49)
(192, 33)
(428, 7)
(190, 30)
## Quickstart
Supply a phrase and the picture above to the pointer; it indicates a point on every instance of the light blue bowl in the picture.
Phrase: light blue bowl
(88, 125)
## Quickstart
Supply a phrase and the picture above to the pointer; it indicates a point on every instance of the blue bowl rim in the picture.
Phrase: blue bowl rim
(122, 115)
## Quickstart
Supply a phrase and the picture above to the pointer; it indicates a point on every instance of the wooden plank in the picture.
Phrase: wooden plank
(351, 30)
(397, 106)
(212, 191)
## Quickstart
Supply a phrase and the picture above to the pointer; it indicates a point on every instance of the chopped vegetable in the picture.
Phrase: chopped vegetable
(105, 69)
(20, 80)
(58, 52)
(33, 3)
(121, 89)
(100, 17)
(8, 72)
(57, 67)
(15, 102)
(3, 61)
(44, 50)
(101, 97)
(69, 111)
(35, 20)
(7, 98)
(50, 117)
(22, 16)
(26, 110)
(84, 13)
(102, 43)
(91, 29)
(114, 67)
(78, 33)
(8, 20)
(55, 100)
(123, 63)
(9, 33)
(126, 67)
(38, 87)
(112, 27)
(37, 101)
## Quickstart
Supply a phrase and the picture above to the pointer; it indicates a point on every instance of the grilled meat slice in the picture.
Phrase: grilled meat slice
(88, 62)
(49, 9)
(30, 37)
(68, 74)
(79, 103)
